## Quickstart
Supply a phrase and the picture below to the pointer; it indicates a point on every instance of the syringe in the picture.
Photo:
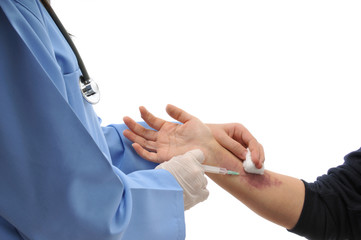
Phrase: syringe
(218, 170)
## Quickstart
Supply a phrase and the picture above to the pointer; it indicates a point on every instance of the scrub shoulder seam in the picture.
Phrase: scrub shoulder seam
(29, 10)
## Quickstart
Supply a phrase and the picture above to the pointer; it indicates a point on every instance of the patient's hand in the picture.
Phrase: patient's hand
(170, 139)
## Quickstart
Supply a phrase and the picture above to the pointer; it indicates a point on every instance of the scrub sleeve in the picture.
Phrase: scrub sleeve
(62, 176)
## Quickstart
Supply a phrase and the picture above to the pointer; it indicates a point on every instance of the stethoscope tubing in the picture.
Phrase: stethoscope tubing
(68, 39)
(88, 87)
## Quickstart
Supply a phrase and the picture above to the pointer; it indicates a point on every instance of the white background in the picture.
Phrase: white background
(288, 70)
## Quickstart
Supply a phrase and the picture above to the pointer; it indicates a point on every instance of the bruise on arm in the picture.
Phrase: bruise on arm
(260, 181)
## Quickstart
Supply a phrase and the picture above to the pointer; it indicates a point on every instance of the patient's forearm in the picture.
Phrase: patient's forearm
(276, 197)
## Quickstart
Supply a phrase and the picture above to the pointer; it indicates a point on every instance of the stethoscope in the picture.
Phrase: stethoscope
(88, 87)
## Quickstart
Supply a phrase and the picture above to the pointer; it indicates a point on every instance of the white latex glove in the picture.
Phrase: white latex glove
(189, 173)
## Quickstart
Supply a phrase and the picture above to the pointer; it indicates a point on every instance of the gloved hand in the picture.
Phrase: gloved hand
(189, 173)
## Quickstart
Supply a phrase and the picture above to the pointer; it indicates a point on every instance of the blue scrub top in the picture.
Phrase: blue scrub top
(62, 175)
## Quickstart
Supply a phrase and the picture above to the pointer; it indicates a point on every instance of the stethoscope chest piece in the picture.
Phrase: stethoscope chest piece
(90, 90)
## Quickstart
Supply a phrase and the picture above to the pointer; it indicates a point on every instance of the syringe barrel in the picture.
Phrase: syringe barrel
(213, 169)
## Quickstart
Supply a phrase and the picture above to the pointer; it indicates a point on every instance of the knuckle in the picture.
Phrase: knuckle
(198, 172)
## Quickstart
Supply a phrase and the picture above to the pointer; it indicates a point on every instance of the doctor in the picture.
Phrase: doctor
(62, 176)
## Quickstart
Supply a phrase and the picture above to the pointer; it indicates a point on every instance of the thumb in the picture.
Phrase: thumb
(196, 154)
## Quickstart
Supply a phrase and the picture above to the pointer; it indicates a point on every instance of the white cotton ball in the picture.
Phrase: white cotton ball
(249, 166)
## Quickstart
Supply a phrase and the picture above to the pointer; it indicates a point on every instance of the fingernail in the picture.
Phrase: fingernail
(244, 154)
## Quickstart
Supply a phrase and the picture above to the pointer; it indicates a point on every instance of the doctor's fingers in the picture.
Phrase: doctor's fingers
(246, 139)
(190, 201)
(191, 198)
(194, 176)
(139, 130)
(203, 195)
(201, 182)
(232, 145)
(194, 188)
(257, 153)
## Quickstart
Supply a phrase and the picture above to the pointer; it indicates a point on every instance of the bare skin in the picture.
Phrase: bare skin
(276, 197)
(236, 139)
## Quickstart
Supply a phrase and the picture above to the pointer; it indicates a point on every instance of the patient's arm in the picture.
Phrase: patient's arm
(276, 197)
